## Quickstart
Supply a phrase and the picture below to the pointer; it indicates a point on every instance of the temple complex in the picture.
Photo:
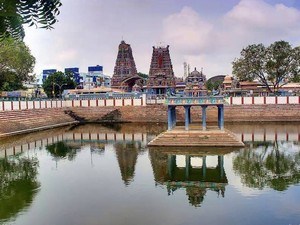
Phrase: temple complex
(195, 84)
(125, 73)
(161, 76)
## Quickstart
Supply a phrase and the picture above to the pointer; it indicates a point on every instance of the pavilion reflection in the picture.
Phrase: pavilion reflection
(194, 174)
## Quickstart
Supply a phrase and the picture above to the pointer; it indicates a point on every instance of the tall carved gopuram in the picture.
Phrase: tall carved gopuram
(125, 73)
(161, 75)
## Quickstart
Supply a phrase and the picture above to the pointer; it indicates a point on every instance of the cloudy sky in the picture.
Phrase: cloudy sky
(205, 34)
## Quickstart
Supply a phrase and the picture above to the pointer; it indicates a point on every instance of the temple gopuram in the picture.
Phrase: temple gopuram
(195, 84)
(161, 76)
(125, 73)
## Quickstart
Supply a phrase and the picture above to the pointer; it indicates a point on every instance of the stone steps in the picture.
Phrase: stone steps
(26, 120)
(180, 137)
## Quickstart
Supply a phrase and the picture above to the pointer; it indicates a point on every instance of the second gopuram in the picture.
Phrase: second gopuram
(161, 76)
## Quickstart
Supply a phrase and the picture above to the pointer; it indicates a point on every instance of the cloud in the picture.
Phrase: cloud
(67, 56)
(258, 14)
(214, 44)
(187, 31)
(203, 33)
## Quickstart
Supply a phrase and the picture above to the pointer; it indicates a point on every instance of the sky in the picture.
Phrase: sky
(204, 34)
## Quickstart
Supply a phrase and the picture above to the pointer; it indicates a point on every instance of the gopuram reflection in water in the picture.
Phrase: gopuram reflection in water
(188, 169)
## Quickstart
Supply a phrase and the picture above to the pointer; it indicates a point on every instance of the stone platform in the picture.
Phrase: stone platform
(196, 137)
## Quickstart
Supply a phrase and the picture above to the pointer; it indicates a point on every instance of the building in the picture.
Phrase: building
(92, 79)
(46, 73)
(95, 78)
(161, 76)
(125, 73)
(76, 75)
(195, 84)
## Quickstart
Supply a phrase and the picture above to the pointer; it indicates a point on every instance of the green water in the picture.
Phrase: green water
(95, 174)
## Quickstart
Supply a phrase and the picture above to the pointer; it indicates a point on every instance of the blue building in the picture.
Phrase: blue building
(76, 75)
(93, 78)
(46, 73)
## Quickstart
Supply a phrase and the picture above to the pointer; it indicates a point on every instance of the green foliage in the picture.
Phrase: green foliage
(16, 64)
(143, 75)
(268, 166)
(213, 86)
(61, 150)
(18, 184)
(56, 82)
(15, 13)
(272, 66)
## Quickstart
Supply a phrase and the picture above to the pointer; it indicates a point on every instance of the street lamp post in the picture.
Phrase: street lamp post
(60, 87)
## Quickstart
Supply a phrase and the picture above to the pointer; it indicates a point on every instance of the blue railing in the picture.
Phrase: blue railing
(204, 100)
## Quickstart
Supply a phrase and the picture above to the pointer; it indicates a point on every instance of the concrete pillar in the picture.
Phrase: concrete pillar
(190, 118)
(187, 120)
(187, 166)
(221, 165)
(171, 164)
(221, 117)
(204, 167)
(204, 117)
(174, 116)
(170, 119)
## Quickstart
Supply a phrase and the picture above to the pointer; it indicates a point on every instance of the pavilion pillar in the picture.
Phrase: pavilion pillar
(171, 163)
(221, 117)
(170, 118)
(187, 166)
(187, 116)
(190, 118)
(174, 116)
(204, 117)
(204, 167)
(221, 165)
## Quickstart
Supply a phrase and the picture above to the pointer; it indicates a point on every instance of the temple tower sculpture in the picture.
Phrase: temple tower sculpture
(161, 76)
(195, 84)
(124, 69)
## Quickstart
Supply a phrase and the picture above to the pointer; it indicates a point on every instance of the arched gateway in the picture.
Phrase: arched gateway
(188, 102)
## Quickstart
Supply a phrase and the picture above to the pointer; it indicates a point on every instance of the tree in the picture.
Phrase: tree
(18, 185)
(15, 13)
(213, 85)
(61, 150)
(56, 82)
(143, 75)
(272, 66)
(269, 165)
(16, 64)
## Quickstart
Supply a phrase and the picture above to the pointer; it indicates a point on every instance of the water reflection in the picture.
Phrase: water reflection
(127, 154)
(269, 164)
(62, 150)
(105, 176)
(18, 186)
(193, 175)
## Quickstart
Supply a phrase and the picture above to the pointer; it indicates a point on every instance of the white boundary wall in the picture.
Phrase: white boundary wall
(270, 100)
(43, 104)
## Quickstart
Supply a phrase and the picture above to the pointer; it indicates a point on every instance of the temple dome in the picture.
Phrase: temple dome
(228, 78)
(196, 73)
